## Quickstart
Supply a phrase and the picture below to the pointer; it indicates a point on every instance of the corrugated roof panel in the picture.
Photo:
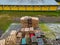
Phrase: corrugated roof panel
(28, 2)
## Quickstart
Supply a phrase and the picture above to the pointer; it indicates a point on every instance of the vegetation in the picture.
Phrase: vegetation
(31, 13)
(4, 23)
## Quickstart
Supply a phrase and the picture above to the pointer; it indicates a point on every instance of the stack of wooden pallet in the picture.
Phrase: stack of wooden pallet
(29, 22)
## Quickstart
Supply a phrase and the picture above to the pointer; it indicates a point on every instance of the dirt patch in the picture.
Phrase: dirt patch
(49, 19)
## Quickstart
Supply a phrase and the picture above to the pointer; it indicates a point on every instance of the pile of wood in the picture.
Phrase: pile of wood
(27, 30)
(29, 22)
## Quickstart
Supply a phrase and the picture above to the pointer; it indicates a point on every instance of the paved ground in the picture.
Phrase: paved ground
(13, 26)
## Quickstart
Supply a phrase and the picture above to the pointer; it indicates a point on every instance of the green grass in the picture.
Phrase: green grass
(31, 13)
(48, 33)
(4, 23)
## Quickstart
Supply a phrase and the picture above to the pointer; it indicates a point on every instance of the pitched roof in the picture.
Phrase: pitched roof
(28, 2)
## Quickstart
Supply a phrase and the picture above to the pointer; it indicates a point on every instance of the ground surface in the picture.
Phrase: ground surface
(8, 17)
